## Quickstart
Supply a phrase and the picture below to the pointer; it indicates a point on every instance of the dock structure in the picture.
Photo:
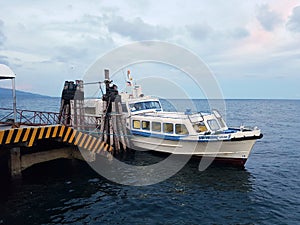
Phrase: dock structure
(26, 146)
(33, 137)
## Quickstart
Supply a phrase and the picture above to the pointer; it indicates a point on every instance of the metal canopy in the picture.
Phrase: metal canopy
(6, 72)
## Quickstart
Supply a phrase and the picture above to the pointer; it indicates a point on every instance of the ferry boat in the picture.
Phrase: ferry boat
(197, 134)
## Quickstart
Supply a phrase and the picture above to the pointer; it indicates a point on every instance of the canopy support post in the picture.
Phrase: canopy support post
(14, 100)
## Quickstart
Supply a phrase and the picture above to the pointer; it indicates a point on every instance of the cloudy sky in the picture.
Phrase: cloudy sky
(252, 47)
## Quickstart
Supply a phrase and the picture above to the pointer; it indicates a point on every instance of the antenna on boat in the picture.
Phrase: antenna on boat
(106, 75)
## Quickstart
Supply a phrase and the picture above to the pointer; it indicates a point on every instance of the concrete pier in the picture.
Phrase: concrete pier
(26, 146)
(33, 137)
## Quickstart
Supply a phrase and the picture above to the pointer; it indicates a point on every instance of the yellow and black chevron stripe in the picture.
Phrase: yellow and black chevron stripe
(69, 135)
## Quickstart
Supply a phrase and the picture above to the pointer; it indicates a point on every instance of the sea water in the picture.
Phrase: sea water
(266, 191)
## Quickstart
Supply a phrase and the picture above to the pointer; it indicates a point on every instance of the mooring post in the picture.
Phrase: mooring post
(15, 162)
(109, 128)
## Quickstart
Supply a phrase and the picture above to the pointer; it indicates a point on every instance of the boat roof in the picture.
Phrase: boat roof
(142, 99)
(170, 115)
(6, 72)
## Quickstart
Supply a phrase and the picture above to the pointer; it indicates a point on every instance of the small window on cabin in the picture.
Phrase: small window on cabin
(221, 122)
(156, 105)
(168, 128)
(213, 124)
(132, 108)
(147, 105)
(152, 105)
(136, 124)
(156, 126)
(200, 127)
(138, 106)
(181, 129)
(146, 125)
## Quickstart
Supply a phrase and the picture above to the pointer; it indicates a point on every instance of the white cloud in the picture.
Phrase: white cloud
(268, 18)
(200, 31)
(137, 29)
(55, 40)
(2, 36)
(4, 60)
(293, 24)
(239, 33)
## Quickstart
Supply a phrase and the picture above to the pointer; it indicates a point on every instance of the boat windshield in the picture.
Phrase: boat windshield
(219, 118)
(213, 124)
(144, 106)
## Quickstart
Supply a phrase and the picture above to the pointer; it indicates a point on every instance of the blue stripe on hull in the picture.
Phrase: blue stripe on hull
(203, 138)
(161, 136)
(173, 137)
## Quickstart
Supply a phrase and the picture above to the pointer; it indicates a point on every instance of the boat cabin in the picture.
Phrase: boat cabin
(176, 124)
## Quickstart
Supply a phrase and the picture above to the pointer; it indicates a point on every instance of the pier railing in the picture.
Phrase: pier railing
(29, 117)
(40, 118)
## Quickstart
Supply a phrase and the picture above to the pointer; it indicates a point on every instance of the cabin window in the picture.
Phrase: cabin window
(156, 126)
(168, 128)
(136, 124)
(146, 125)
(136, 106)
(213, 124)
(145, 105)
(221, 122)
(219, 118)
(181, 129)
(200, 127)
(152, 105)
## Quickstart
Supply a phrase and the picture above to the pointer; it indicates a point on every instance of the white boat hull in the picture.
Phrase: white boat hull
(231, 151)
